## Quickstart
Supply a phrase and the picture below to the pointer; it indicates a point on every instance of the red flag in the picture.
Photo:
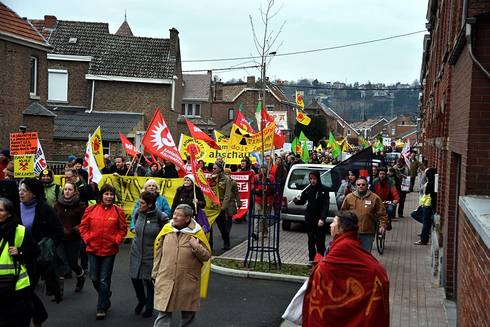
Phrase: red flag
(198, 174)
(241, 121)
(128, 146)
(279, 138)
(159, 142)
(198, 134)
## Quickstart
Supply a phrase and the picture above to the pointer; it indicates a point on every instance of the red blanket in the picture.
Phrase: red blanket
(347, 287)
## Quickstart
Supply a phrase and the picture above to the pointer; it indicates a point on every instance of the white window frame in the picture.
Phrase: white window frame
(231, 110)
(33, 79)
(348, 131)
(53, 97)
(190, 109)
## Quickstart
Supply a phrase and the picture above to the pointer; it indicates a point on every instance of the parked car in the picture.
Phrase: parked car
(391, 158)
(296, 181)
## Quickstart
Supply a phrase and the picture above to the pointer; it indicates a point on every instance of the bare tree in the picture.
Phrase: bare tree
(265, 43)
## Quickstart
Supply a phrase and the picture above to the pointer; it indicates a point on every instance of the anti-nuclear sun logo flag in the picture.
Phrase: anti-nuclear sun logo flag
(159, 142)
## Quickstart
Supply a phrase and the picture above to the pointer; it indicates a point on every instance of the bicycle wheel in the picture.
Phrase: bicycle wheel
(380, 242)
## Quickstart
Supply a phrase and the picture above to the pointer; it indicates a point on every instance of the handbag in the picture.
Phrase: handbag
(48, 251)
(294, 311)
(8, 282)
(405, 186)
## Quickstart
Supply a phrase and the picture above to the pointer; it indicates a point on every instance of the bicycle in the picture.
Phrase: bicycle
(379, 238)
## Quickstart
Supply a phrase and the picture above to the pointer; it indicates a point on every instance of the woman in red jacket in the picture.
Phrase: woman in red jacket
(103, 229)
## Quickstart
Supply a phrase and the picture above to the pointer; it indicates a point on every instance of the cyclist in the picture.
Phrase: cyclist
(368, 207)
(385, 188)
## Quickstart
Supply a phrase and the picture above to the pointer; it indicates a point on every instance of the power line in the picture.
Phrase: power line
(220, 69)
(313, 50)
(347, 88)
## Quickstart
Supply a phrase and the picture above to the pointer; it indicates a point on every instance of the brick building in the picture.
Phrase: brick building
(369, 128)
(23, 78)
(227, 98)
(91, 71)
(399, 126)
(455, 112)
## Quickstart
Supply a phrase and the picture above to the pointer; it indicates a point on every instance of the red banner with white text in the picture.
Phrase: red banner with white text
(244, 182)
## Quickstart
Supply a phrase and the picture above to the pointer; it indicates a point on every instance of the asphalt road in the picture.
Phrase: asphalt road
(231, 301)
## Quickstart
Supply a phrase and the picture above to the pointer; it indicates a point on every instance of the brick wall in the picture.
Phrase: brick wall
(15, 79)
(473, 276)
(66, 147)
(45, 128)
(79, 89)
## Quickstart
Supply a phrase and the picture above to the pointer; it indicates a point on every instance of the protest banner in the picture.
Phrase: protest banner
(129, 188)
(243, 181)
(243, 141)
(23, 143)
(24, 165)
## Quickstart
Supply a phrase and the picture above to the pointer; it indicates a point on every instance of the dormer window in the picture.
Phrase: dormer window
(72, 40)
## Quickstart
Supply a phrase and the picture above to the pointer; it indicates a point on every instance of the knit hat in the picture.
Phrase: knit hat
(45, 172)
(71, 158)
(191, 177)
(79, 160)
(6, 153)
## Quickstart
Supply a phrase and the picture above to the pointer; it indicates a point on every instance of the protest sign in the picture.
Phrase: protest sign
(24, 165)
(23, 143)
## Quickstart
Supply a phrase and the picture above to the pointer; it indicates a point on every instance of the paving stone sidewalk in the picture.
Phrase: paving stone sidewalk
(414, 301)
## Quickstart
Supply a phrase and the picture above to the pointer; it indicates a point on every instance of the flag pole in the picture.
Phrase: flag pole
(132, 161)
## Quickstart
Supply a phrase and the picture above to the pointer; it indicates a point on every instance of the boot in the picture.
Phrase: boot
(80, 282)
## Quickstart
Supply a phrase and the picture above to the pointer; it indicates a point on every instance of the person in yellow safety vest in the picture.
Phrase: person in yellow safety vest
(16, 247)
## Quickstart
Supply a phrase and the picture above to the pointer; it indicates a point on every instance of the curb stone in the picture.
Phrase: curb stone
(257, 275)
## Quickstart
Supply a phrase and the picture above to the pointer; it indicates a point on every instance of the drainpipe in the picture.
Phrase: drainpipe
(470, 46)
(172, 104)
(92, 99)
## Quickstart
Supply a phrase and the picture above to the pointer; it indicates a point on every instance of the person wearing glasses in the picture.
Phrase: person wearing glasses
(368, 207)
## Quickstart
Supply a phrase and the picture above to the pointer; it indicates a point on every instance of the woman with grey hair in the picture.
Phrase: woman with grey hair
(181, 249)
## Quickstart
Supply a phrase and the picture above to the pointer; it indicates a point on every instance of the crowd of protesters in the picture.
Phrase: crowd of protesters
(83, 226)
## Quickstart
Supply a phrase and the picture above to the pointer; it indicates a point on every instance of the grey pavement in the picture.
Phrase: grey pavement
(414, 301)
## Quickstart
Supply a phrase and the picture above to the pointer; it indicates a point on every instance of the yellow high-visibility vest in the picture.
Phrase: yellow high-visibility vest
(7, 262)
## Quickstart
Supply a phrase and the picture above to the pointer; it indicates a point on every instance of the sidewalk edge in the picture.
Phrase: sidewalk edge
(256, 275)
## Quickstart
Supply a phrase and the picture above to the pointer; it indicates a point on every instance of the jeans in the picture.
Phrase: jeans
(83, 256)
(366, 241)
(164, 319)
(224, 223)
(139, 288)
(100, 273)
(427, 214)
(390, 211)
(401, 204)
(316, 238)
(69, 251)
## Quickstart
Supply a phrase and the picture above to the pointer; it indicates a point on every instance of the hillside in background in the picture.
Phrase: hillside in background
(355, 102)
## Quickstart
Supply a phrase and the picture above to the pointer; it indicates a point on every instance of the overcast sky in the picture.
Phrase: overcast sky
(221, 29)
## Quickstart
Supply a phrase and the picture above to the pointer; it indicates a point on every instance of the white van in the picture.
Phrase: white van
(296, 181)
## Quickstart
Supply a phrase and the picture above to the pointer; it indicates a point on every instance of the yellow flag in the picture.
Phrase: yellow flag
(243, 141)
(299, 99)
(302, 118)
(97, 148)
(220, 138)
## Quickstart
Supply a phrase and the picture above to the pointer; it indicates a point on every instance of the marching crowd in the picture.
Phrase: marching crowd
(52, 232)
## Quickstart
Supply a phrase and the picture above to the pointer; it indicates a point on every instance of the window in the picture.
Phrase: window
(231, 114)
(191, 109)
(393, 131)
(33, 86)
(298, 179)
(57, 85)
(348, 132)
(106, 148)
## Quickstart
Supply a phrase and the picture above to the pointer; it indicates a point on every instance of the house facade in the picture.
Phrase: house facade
(23, 79)
(227, 99)
(399, 126)
(455, 130)
(91, 71)
(371, 127)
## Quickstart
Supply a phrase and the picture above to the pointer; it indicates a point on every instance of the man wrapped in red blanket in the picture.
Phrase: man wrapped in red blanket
(348, 286)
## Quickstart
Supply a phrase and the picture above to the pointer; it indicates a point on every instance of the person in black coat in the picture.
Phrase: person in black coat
(185, 195)
(17, 310)
(317, 199)
(169, 171)
(41, 222)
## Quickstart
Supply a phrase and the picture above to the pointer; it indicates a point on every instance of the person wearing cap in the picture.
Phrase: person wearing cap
(317, 197)
(185, 194)
(347, 269)
(71, 160)
(52, 191)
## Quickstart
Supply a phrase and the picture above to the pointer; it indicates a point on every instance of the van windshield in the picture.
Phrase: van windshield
(299, 179)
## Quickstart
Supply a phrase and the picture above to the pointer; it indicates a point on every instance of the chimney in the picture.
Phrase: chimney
(50, 22)
(218, 91)
(174, 35)
(251, 81)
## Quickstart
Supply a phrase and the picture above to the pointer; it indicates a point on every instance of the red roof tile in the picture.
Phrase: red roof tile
(12, 24)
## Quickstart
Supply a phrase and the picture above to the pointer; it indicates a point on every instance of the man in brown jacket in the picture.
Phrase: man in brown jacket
(368, 207)
(181, 249)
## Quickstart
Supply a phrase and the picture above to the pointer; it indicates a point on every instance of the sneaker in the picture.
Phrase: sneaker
(100, 315)
(139, 308)
(420, 243)
(80, 282)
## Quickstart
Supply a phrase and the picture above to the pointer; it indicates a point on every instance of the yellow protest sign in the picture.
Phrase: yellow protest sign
(243, 141)
(129, 188)
(221, 139)
(208, 154)
(24, 166)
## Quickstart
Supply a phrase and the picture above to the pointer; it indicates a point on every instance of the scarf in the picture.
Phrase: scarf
(73, 201)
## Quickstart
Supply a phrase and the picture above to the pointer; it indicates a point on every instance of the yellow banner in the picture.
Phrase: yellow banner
(129, 188)
(221, 139)
(243, 141)
(208, 154)
(97, 149)
(24, 165)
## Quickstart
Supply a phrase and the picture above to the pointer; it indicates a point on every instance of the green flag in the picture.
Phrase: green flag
(294, 145)
(378, 144)
(305, 154)
(334, 147)
(240, 108)
(302, 137)
(258, 115)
